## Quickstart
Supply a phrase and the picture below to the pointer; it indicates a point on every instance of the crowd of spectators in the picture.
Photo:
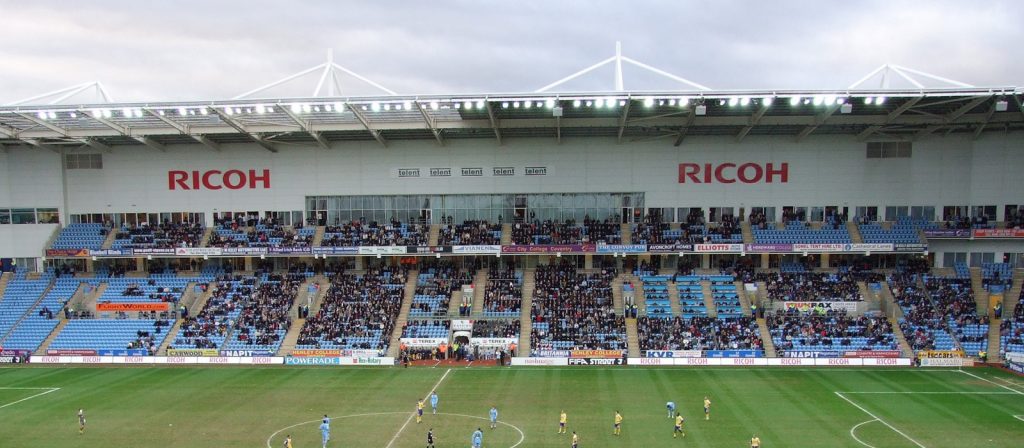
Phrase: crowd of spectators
(921, 321)
(441, 280)
(426, 328)
(954, 299)
(504, 292)
(166, 235)
(149, 341)
(567, 232)
(1011, 329)
(264, 233)
(361, 233)
(158, 294)
(264, 318)
(497, 328)
(210, 326)
(470, 233)
(810, 287)
(573, 310)
(358, 311)
(833, 330)
(698, 333)
(981, 221)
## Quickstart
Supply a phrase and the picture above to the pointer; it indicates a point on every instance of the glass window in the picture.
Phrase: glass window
(23, 216)
(48, 216)
(5, 216)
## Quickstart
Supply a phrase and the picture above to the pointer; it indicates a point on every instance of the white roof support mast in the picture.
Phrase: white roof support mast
(329, 77)
(618, 59)
(60, 95)
(887, 70)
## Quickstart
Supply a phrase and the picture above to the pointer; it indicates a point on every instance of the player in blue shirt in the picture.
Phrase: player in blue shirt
(478, 438)
(671, 409)
(325, 433)
(433, 401)
(494, 417)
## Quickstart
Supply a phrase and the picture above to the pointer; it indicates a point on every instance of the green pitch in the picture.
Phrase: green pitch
(372, 407)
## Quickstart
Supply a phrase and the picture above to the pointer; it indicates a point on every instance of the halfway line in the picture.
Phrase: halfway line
(413, 414)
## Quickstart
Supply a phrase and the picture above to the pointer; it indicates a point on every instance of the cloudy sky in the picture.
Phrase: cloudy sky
(184, 50)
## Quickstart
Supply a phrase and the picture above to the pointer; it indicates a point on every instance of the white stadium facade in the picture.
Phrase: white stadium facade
(924, 153)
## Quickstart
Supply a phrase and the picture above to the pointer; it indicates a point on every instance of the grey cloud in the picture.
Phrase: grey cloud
(199, 49)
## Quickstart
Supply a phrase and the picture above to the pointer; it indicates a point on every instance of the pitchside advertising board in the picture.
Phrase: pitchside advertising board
(215, 360)
(704, 362)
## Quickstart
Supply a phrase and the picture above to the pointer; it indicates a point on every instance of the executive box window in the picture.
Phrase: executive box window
(23, 216)
(5, 216)
(923, 212)
(47, 216)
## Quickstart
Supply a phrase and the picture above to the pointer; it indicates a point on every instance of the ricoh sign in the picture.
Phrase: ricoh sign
(730, 173)
(219, 180)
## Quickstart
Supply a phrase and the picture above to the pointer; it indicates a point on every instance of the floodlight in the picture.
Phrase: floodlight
(794, 101)
(648, 102)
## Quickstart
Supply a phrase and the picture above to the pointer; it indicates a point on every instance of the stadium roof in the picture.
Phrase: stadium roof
(628, 116)
(671, 115)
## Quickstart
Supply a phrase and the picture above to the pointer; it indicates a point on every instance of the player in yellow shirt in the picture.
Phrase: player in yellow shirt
(707, 408)
(618, 424)
(561, 422)
(419, 411)
(575, 440)
(755, 442)
(288, 441)
(679, 426)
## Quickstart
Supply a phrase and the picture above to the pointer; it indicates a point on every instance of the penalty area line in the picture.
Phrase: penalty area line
(915, 442)
(413, 414)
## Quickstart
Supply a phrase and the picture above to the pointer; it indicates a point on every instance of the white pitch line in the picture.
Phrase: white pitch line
(1011, 383)
(49, 390)
(992, 382)
(880, 420)
(332, 419)
(27, 388)
(854, 429)
(931, 393)
(413, 414)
